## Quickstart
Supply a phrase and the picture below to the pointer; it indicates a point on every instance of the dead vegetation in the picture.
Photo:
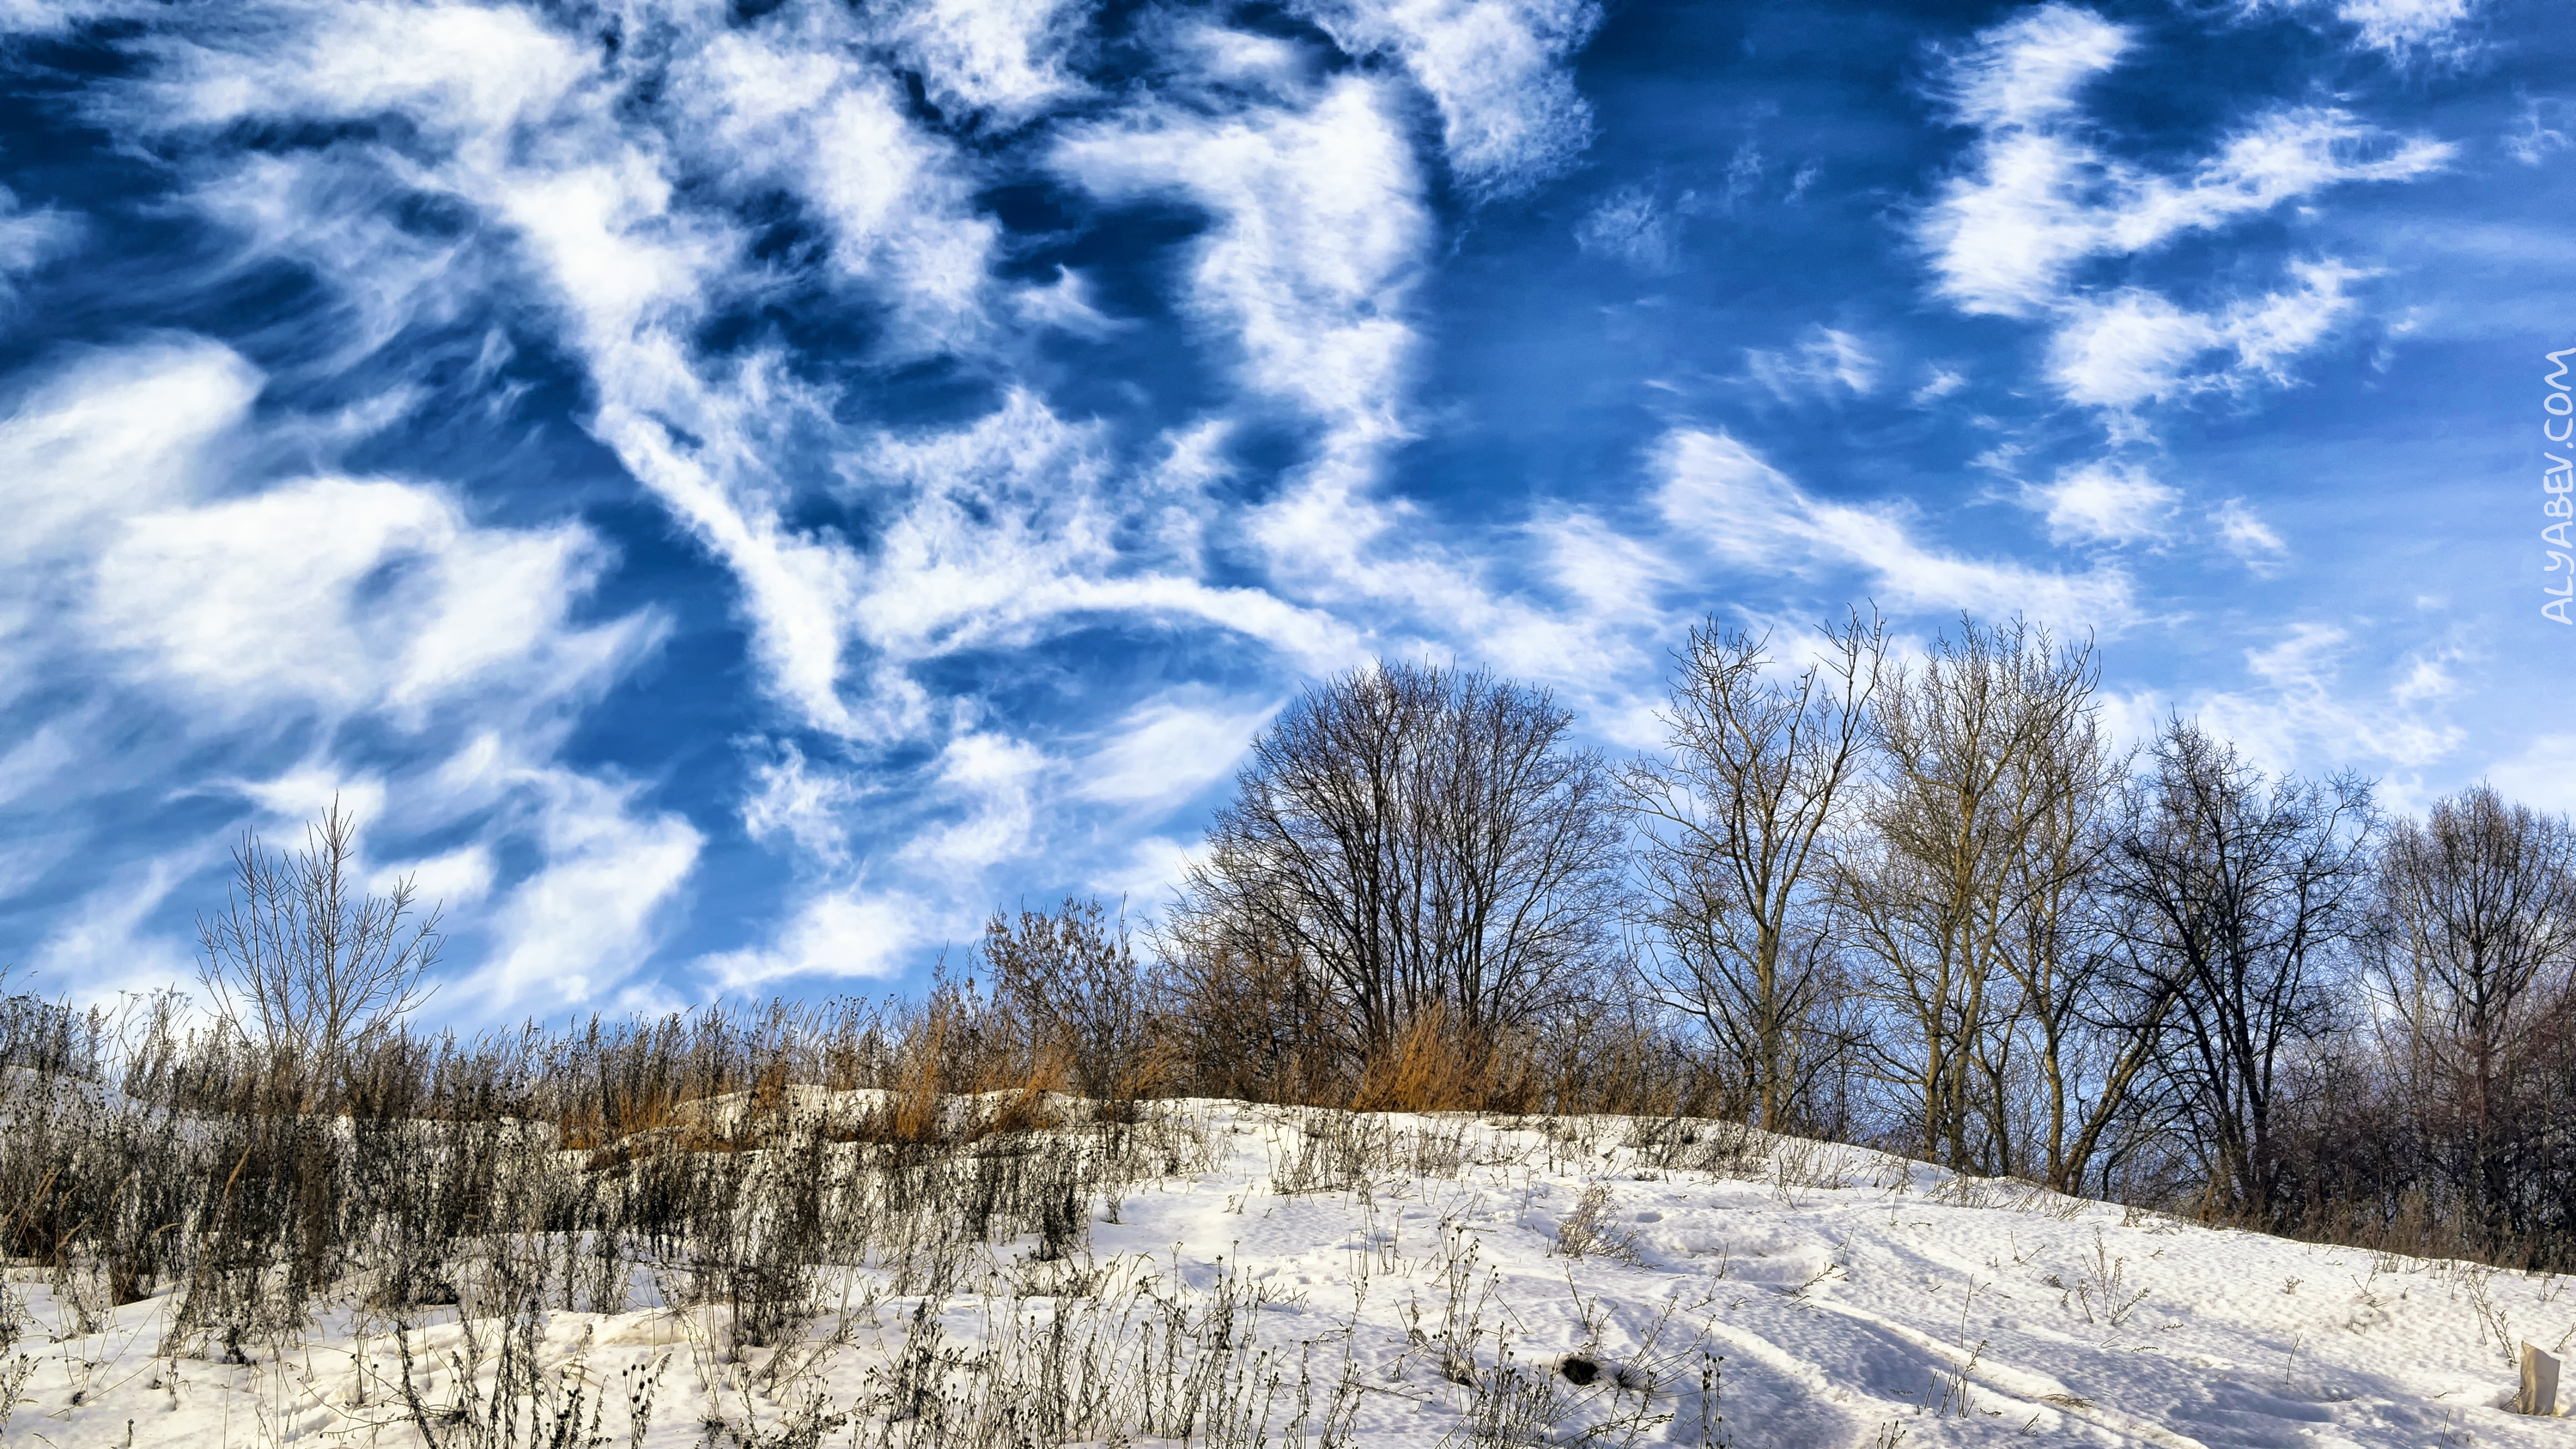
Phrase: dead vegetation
(785, 1187)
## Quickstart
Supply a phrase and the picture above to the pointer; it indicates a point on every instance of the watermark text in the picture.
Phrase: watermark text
(2558, 490)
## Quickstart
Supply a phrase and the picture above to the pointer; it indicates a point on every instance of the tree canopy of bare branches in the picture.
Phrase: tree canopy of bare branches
(2473, 944)
(1415, 836)
(303, 959)
(2233, 899)
(1961, 891)
(1734, 818)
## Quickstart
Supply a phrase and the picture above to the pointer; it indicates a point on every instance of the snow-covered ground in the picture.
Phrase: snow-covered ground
(1316, 1277)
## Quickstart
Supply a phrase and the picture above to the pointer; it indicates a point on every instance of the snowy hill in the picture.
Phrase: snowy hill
(1297, 1276)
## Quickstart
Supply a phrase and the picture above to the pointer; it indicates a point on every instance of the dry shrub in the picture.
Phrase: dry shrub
(914, 1114)
(1429, 1067)
(1438, 1064)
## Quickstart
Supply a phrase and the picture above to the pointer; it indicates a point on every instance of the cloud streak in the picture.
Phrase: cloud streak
(1727, 498)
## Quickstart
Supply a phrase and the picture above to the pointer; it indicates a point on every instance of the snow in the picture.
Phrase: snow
(1329, 1278)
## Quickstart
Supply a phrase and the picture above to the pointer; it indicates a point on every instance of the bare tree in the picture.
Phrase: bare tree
(2473, 943)
(1071, 976)
(2066, 787)
(1257, 1020)
(1962, 890)
(2232, 898)
(1734, 816)
(303, 959)
(1415, 835)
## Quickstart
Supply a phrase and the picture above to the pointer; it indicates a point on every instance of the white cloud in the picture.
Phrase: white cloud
(1823, 361)
(1308, 271)
(1065, 304)
(2244, 533)
(2284, 155)
(1002, 56)
(54, 17)
(299, 796)
(531, 138)
(1612, 579)
(105, 943)
(1752, 515)
(183, 584)
(2304, 716)
(2267, 332)
(2542, 774)
(2009, 234)
(333, 210)
(996, 779)
(841, 933)
(1009, 526)
(1146, 877)
(451, 880)
(980, 535)
(1319, 235)
(789, 106)
(2403, 28)
(29, 239)
(1743, 173)
(1321, 230)
(336, 593)
(1941, 382)
(350, 594)
(2427, 677)
(2129, 348)
(987, 511)
(583, 921)
(34, 762)
(112, 434)
(2533, 140)
(1510, 115)
(1629, 225)
(467, 72)
(806, 806)
(2102, 503)
(1167, 751)
(1733, 499)
(2134, 346)
(2029, 71)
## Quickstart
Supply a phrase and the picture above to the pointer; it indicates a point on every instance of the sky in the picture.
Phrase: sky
(731, 494)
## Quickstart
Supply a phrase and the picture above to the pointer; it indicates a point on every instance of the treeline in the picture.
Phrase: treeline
(1924, 903)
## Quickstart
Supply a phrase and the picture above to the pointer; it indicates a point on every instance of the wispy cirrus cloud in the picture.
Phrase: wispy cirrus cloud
(30, 238)
(1319, 235)
(2132, 346)
(1168, 750)
(990, 533)
(2243, 533)
(1727, 498)
(2039, 200)
(2101, 502)
(1632, 225)
(2401, 29)
(1826, 362)
(1510, 115)
(2305, 708)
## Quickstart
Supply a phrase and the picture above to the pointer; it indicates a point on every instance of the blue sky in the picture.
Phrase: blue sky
(732, 493)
